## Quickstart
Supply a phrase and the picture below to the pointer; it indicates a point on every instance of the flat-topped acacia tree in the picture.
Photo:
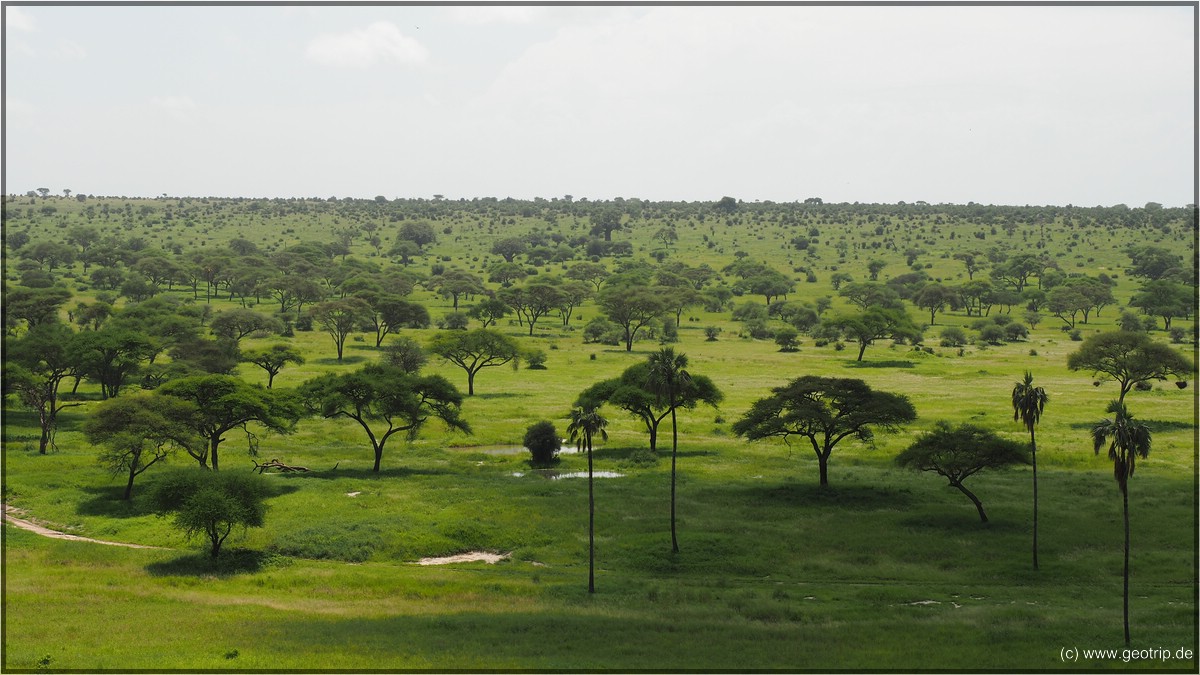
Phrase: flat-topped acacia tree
(824, 410)
(1129, 358)
(475, 350)
(385, 400)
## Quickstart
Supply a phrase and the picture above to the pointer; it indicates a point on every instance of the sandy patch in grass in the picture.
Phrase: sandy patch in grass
(470, 556)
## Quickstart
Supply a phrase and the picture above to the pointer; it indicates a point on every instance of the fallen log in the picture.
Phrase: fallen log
(277, 465)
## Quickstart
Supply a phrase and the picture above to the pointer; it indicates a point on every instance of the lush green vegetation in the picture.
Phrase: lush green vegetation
(882, 568)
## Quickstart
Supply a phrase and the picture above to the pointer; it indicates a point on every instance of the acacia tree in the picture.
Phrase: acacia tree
(140, 431)
(212, 504)
(935, 297)
(110, 355)
(387, 397)
(960, 452)
(237, 323)
(339, 318)
(227, 403)
(38, 362)
(1127, 440)
(1028, 402)
(824, 410)
(632, 307)
(273, 358)
(475, 350)
(876, 323)
(1129, 358)
(584, 425)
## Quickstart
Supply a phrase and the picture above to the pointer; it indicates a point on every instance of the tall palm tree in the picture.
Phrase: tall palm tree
(1127, 440)
(584, 425)
(1028, 402)
(668, 375)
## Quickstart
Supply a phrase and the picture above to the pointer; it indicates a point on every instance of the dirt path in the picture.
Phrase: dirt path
(55, 534)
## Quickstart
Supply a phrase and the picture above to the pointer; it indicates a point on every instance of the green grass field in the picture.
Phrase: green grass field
(884, 569)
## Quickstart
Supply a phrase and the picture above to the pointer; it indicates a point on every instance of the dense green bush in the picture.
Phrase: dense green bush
(543, 443)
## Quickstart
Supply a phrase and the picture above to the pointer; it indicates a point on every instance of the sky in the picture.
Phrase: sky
(1083, 105)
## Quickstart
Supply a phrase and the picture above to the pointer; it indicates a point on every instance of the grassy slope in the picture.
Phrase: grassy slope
(773, 574)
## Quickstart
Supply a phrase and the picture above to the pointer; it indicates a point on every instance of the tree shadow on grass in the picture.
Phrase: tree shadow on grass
(853, 497)
(961, 521)
(500, 394)
(230, 562)
(1155, 426)
(106, 500)
(881, 364)
(347, 360)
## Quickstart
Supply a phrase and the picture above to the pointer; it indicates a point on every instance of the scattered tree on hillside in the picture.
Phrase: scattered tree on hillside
(475, 350)
(227, 403)
(212, 504)
(960, 452)
(632, 308)
(824, 410)
(236, 324)
(273, 358)
(877, 323)
(36, 365)
(139, 431)
(1129, 358)
(385, 400)
(339, 318)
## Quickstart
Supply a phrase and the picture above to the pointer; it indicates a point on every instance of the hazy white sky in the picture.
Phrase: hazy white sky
(1003, 105)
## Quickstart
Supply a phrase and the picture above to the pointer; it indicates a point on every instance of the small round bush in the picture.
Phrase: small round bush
(535, 359)
(953, 336)
(543, 443)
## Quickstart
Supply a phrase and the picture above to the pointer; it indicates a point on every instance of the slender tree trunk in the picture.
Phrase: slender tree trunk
(975, 500)
(129, 484)
(216, 440)
(591, 525)
(1125, 604)
(823, 465)
(470, 383)
(861, 350)
(1033, 447)
(674, 452)
(378, 457)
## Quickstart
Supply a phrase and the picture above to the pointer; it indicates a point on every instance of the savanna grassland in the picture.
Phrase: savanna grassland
(884, 568)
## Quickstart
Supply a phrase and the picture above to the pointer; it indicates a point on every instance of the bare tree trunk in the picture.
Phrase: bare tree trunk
(1125, 606)
(591, 525)
(1033, 446)
(674, 452)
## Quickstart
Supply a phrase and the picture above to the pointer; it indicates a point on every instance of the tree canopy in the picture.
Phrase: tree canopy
(824, 410)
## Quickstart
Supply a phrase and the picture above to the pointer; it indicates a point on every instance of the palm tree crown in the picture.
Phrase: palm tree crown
(1127, 439)
(1028, 402)
(668, 373)
(584, 425)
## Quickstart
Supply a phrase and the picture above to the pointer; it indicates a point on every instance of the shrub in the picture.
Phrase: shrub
(992, 334)
(454, 321)
(953, 336)
(543, 443)
(535, 359)
(406, 354)
(602, 331)
(711, 333)
(1177, 334)
(1075, 335)
(1016, 331)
